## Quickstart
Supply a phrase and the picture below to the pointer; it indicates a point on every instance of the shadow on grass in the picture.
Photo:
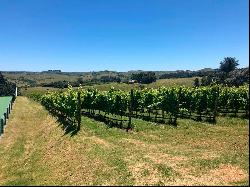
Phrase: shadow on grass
(109, 122)
(160, 120)
(68, 126)
(241, 115)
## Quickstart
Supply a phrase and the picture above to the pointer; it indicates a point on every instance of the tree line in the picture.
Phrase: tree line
(6, 88)
(228, 74)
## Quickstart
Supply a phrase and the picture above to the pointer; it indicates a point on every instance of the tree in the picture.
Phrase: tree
(6, 87)
(144, 77)
(206, 80)
(80, 80)
(228, 64)
(196, 82)
(238, 77)
(2, 81)
(107, 78)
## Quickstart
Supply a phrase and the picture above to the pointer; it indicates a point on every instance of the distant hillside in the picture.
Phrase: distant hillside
(26, 78)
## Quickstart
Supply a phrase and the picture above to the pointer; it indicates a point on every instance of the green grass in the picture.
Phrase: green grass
(40, 90)
(35, 151)
(173, 82)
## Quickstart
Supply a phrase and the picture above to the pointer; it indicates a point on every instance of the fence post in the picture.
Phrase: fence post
(5, 118)
(247, 106)
(2, 126)
(7, 113)
(216, 104)
(176, 113)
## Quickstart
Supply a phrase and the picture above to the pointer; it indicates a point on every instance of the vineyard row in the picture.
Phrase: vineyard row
(164, 103)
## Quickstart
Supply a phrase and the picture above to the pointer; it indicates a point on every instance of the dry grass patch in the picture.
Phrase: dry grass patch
(227, 174)
(163, 158)
(209, 155)
(100, 141)
(145, 174)
(223, 175)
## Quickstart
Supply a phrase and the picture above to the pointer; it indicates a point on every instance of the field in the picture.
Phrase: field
(39, 90)
(122, 86)
(23, 78)
(35, 150)
(37, 78)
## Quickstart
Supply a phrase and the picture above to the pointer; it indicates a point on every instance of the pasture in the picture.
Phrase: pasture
(122, 86)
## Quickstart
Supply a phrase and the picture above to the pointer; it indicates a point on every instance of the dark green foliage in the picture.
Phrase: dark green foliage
(58, 84)
(144, 77)
(196, 82)
(6, 88)
(187, 74)
(207, 80)
(174, 102)
(238, 77)
(109, 79)
(228, 64)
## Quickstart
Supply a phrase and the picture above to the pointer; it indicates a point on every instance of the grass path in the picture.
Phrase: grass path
(35, 151)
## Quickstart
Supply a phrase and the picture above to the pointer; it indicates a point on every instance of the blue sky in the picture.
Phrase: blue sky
(122, 35)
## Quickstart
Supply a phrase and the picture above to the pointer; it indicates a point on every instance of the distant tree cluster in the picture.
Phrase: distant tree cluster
(58, 84)
(187, 74)
(238, 77)
(80, 81)
(228, 74)
(107, 78)
(52, 71)
(228, 64)
(144, 77)
(6, 88)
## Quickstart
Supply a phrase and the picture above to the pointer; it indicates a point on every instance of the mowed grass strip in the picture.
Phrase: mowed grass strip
(35, 151)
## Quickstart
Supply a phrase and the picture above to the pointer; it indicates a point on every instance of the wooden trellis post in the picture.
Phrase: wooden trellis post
(216, 105)
(2, 126)
(130, 109)
(78, 115)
